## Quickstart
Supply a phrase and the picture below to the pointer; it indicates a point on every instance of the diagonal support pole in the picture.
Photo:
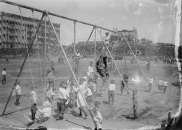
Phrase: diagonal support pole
(22, 65)
(95, 43)
(91, 34)
(62, 48)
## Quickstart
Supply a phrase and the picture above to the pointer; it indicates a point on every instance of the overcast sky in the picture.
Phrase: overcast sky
(152, 18)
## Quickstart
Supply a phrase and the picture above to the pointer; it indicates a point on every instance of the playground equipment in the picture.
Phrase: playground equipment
(46, 16)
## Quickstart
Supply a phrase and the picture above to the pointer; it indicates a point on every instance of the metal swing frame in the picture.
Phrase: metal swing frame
(47, 13)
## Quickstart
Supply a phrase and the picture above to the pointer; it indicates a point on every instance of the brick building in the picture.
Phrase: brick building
(16, 32)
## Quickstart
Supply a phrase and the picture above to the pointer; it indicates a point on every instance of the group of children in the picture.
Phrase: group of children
(69, 95)
(77, 96)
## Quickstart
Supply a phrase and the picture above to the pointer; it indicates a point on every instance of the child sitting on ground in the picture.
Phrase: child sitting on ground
(97, 116)
(44, 113)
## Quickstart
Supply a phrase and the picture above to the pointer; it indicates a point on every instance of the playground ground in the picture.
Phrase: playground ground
(152, 107)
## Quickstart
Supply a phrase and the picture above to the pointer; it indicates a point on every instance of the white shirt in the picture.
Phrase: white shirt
(112, 87)
(93, 85)
(3, 72)
(89, 92)
(77, 54)
(18, 90)
(63, 94)
(34, 96)
(98, 119)
(151, 80)
(50, 93)
(163, 83)
(83, 88)
(107, 40)
(90, 70)
(98, 115)
(50, 76)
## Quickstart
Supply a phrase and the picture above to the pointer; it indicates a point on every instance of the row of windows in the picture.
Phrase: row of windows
(14, 24)
(4, 34)
(19, 28)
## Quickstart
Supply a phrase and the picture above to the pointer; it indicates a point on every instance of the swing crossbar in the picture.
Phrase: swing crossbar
(56, 15)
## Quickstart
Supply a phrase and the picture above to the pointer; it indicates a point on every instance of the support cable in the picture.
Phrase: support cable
(74, 39)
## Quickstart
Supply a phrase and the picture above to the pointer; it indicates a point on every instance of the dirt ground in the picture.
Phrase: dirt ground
(152, 107)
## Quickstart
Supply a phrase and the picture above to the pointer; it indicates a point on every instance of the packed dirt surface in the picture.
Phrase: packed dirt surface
(152, 106)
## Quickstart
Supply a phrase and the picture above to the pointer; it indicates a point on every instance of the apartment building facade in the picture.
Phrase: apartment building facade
(17, 31)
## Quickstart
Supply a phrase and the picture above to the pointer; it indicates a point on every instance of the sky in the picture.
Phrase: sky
(153, 19)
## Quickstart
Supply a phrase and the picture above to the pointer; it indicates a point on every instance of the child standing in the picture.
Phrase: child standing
(33, 111)
(18, 93)
(122, 86)
(4, 76)
(97, 116)
(62, 98)
(125, 81)
(90, 69)
(111, 92)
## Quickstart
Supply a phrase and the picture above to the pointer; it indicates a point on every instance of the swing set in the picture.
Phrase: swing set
(46, 16)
